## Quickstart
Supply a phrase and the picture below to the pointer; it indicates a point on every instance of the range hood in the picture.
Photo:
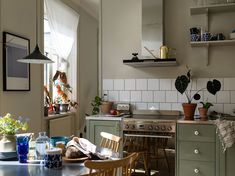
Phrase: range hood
(170, 62)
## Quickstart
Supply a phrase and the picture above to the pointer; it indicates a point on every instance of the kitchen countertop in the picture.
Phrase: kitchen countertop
(106, 117)
(54, 116)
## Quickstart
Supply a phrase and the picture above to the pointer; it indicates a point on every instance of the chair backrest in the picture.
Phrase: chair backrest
(110, 167)
(110, 141)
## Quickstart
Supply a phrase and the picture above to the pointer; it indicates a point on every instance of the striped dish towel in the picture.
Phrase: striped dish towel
(226, 132)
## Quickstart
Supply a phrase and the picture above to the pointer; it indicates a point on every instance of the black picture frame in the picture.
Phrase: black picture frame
(16, 75)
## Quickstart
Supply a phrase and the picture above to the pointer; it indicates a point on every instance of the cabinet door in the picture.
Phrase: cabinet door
(63, 126)
(94, 127)
(230, 161)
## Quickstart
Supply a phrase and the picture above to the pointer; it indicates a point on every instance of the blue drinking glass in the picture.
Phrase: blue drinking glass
(22, 148)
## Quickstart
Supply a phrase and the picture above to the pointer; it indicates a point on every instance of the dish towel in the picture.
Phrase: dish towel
(226, 132)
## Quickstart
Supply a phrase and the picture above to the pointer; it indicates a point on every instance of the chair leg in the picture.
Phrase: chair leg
(146, 167)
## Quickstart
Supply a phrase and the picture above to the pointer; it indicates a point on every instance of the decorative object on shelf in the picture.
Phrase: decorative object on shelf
(135, 58)
(8, 128)
(16, 76)
(204, 109)
(36, 57)
(195, 34)
(206, 36)
(181, 84)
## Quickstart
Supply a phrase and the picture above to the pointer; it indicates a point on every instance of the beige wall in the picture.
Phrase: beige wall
(121, 36)
(18, 17)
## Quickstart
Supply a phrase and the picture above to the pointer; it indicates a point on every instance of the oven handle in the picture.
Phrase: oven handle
(150, 136)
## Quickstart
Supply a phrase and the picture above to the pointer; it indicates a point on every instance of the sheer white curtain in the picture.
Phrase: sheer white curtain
(63, 22)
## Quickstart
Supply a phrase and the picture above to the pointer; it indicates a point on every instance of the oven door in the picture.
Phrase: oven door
(160, 148)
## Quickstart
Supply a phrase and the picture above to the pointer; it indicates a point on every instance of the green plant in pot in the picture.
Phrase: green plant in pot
(96, 105)
(204, 109)
(182, 83)
(8, 128)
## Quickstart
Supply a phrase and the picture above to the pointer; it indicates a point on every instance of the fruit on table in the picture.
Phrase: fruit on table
(114, 112)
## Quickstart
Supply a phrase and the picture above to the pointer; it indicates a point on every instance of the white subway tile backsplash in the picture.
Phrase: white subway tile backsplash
(141, 84)
(223, 97)
(229, 109)
(217, 108)
(182, 98)
(113, 96)
(171, 96)
(135, 96)
(159, 96)
(209, 97)
(107, 84)
(177, 106)
(118, 84)
(141, 106)
(165, 84)
(153, 84)
(124, 96)
(229, 83)
(147, 96)
(129, 84)
(201, 83)
(232, 98)
(153, 106)
(165, 106)
(161, 93)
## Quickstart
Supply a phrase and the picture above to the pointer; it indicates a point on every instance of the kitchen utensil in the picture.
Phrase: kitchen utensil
(53, 158)
(22, 148)
(164, 52)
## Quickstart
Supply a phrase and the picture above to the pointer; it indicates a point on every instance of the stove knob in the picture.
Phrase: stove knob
(126, 126)
(157, 128)
(163, 128)
(169, 128)
(150, 127)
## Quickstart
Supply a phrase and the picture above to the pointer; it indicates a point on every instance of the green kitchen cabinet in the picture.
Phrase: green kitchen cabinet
(95, 126)
(227, 161)
(196, 150)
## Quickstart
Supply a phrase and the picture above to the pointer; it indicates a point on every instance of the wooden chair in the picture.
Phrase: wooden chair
(110, 167)
(110, 141)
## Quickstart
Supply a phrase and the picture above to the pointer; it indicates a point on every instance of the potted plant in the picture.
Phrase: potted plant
(204, 109)
(62, 100)
(96, 105)
(8, 128)
(100, 104)
(181, 84)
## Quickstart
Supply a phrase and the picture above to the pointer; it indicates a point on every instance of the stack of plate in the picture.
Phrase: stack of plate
(8, 155)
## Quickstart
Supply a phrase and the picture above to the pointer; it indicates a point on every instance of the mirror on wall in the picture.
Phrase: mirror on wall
(152, 27)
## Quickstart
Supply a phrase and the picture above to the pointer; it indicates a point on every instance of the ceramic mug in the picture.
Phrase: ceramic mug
(206, 36)
(53, 159)
(195, 37)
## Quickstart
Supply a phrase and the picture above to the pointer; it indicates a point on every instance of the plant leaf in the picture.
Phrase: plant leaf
(197, 96)
(213, 86)
(181, 83)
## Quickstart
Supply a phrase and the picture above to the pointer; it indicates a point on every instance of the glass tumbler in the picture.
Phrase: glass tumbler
(22, 148)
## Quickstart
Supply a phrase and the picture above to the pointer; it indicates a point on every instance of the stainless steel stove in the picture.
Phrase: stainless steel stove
(152, 130)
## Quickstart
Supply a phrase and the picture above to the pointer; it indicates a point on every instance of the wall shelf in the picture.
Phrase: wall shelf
(152, 63)
(217, 8)
(213, 43)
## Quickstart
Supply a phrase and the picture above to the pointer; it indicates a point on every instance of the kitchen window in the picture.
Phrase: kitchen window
(60, 45)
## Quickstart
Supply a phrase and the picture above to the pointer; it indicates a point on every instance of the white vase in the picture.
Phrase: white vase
(8, 143)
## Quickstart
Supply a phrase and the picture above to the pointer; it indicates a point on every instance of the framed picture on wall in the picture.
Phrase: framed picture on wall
(16, 75)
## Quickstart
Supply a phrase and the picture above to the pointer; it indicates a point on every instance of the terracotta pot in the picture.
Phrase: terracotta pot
(106, 106)
(203, 113)
(8, 143)
(189, 110)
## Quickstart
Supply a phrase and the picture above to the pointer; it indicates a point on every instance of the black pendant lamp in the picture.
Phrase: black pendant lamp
(36, 57)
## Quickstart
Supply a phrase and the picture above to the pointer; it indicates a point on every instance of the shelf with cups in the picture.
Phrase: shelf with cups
(212, 43)
(215, 8)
